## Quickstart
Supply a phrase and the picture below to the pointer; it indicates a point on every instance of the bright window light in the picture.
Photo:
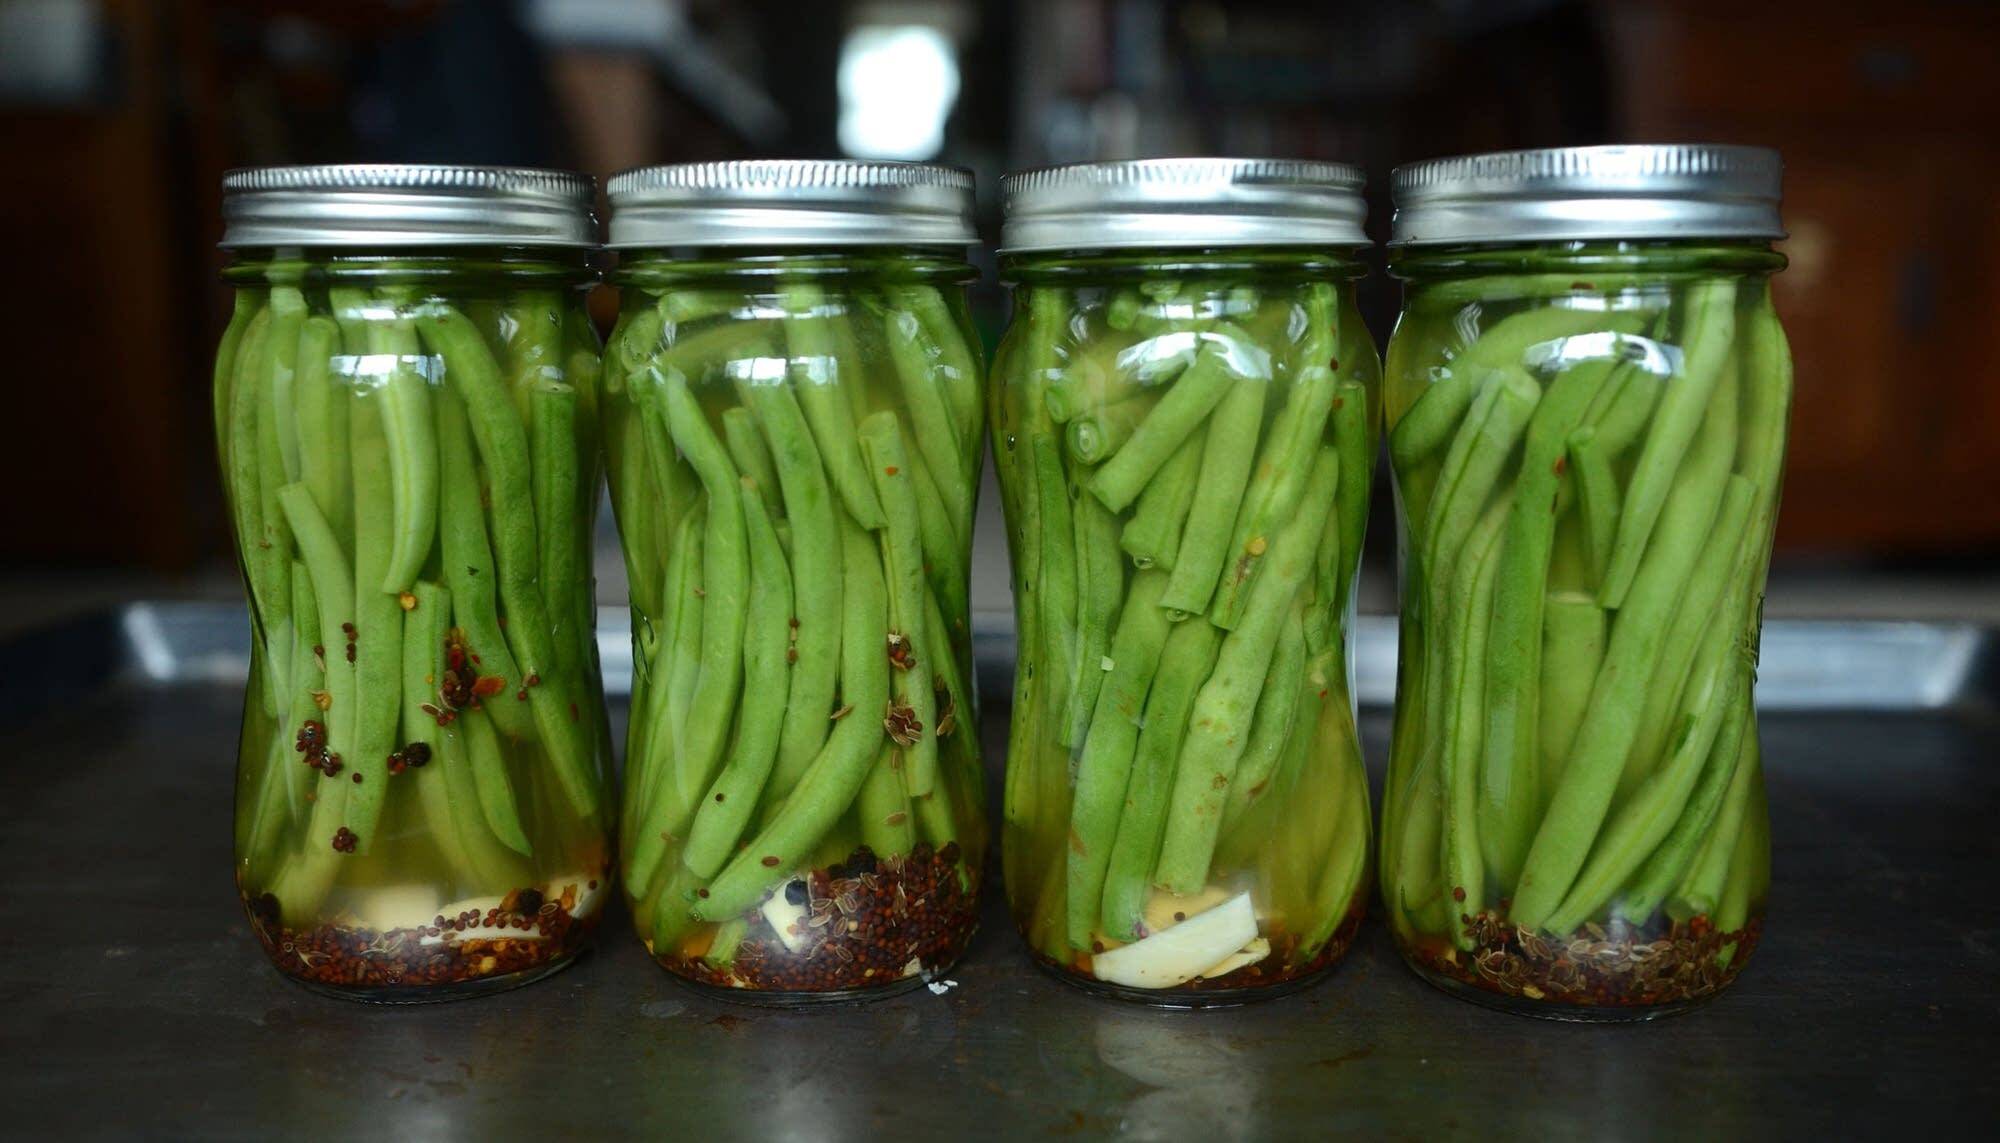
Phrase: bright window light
(897, 87)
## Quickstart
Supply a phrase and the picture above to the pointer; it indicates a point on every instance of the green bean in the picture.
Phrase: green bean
(1344, 876)
(246, 305)
(725, 584)
(1100, 587)
(1226, 459)
(1710, 587)
(933, 427)
(532, 331)
(1430, 423)
(469, 369)
(1507, 784)
(1470, 617)
(957, 367)
(333, 589)
(903, 567)
(1057, 560)
(1219, 725)
(726, 809)
(1283, 463)
(822, 392)
(836, 776)
(1102, 375)
(424, 637)
(322, 414)
(495, 863)
(1598, 498)
(816, 579)
(1746, 879)
(378, 621)
(257, 537)
(945, 543)
(1183, 665)
(491, 782)
(468, 567)
(1610, 724)
(1119, 480)
(552, 416)
(1105, 763)
(1508, 342)
(1152, 534)
(1626, 417)
(1095, 435)
(1643, 821)
(411, 451)
(1353, 437)
(1674, 856)
(752, 458)
(1699, 890)
(652, 788)
(1275, 724)
(1573, 631)
(288, 315)
(1709, 328)
(883, 806)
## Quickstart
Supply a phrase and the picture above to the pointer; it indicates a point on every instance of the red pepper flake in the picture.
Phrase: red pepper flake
(1562, 465)
(486, 685)
(533, 680)
(889, 470)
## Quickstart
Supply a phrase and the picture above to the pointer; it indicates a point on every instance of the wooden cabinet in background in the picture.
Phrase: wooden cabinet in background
(1886, 123)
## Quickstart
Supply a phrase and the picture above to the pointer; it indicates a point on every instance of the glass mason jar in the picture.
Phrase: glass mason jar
(1185, 416)
(405, 407)
(1587, 397)
(793, 417)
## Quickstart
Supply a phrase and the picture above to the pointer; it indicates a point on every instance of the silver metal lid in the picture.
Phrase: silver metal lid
(1183, 202)
(1639, 191)
(792, 202)
(406, 204)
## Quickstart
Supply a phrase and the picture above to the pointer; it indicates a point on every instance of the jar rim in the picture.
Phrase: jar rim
(791, 203)
(1183, 202)
(403, 205)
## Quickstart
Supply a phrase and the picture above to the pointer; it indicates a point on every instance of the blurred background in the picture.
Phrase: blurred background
(119, 117)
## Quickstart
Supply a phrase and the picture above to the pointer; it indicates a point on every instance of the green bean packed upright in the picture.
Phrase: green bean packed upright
(1588, 394)
(793, 417)
(405, 412)
(1185, 415)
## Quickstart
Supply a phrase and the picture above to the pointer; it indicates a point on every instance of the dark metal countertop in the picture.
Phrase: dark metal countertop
(137, 1002)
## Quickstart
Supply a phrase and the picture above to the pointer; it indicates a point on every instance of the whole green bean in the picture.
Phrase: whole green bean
(1120, 479)
(1100, 588)
(333, 589)
(1353, 437)
(245, 306)
(1470, 617)
(424, 637)
(470, 370)
(288, 315)
(1105, 763)
(1282, 464)
(726, 809)
(934, 428)
(1709, 329)
(411, 451)
(1226, 459)
(725, 589)
(888, 463)
(1611, 722)
(1626, 417)
(1057, 561)
(1152, 535)
(816, 579)
(378, 621)
(1219, 725)
(957, 367)
(531, 327)
(1508, 779)
(1094, 435)
(667, 716)
(829, 786)
(1346, 872)
(467, 563)
(945, 543)
(822, 390)
(257, 538)
(1747, 881)
(1183, 665)
(1430, 423)
(1699, 890)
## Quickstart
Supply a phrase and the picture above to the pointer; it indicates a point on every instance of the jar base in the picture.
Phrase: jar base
(437, 993)
(1562, 1013)
(1187, 999)
(781, 998)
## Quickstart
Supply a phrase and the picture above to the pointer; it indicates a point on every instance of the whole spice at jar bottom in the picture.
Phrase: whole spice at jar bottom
(866, 920)
(1597, 967)
(1277, 968)
(345, 956)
